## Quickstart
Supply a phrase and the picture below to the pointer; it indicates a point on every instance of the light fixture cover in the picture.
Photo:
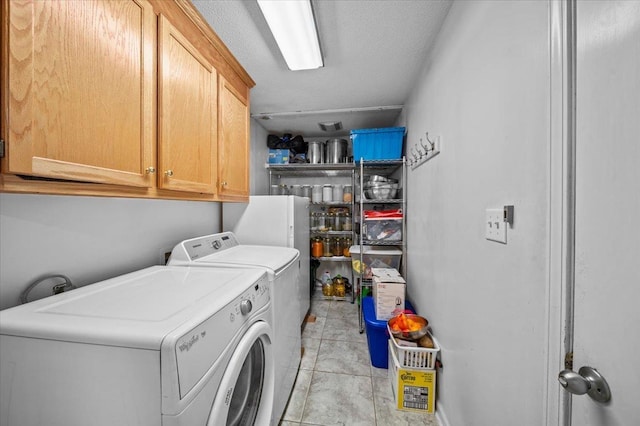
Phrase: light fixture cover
(292, 24)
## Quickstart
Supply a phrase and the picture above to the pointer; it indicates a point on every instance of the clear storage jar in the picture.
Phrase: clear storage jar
(347, 193)
(306, 191)
(337, 193)
(336, 246)
(327, 193)
(326, 247)
(322, 221)
(316, 194)
(346, 222)
(338, 219)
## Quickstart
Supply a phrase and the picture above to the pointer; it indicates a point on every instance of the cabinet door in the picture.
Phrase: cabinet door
(187, 111)
(233, 157)
(81, 90)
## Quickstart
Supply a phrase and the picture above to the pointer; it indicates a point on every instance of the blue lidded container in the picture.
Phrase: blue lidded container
(377, 333)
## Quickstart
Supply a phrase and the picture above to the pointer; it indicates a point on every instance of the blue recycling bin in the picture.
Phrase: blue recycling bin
(377, 333)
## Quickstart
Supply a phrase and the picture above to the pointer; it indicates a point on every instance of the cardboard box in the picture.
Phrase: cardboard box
(278, 156)
(388, 297)
(387, 275)
(413, 390)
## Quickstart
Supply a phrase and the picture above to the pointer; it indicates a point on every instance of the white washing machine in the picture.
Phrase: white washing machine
(161, 346)
(283, 266)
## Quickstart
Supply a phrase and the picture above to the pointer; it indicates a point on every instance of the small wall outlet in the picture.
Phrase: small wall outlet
(163, 257)
(495, 226)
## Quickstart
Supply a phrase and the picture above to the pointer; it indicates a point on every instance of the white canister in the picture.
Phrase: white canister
(306, 191)
(327, 193)
(316, 194)
(337, 192)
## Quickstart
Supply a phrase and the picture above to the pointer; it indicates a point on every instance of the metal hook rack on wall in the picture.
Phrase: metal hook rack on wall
(419, 153)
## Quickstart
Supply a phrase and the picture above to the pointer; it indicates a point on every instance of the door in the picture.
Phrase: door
(187, 114)
(246, 391)
(607, 227)
(81, 90)
(233, 154)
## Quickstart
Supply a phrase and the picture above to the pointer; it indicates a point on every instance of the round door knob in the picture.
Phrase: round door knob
(245, 307)
(169, 173)
(573, 382)
(224, 184)
(150, 170)
(586, 380)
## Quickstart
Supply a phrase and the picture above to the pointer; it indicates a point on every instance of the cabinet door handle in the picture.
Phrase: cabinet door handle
(169, 173)
(224, 184)
(150, 170)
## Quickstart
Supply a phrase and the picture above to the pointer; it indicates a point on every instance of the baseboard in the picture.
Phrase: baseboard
(441, 416)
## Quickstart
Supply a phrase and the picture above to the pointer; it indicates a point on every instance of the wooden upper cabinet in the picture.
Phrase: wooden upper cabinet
(187, 114)
(233, 143)
(81, 90)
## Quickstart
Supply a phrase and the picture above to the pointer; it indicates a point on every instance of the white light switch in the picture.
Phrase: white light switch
(495, 226)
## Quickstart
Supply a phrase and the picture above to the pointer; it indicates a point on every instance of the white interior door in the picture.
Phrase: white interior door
(607, 251)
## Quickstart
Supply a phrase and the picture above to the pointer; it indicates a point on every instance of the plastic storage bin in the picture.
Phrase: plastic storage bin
(377, 144)
(374, 257)
(385, 225)
(377, 333)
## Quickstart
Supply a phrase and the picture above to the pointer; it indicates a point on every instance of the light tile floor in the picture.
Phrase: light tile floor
(336, 383)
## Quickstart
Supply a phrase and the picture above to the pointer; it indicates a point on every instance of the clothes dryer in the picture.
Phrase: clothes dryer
(283, 266)
(161, 346)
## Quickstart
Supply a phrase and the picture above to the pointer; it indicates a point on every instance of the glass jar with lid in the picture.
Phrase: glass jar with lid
(338, 219)
(327, 193)
(326, 247)
(306, 191)
(313, 221)
(346, 245)
(347, 193)
(336, 246)
(317, 249)
(321, 219)
(346, 222)
(329, 221)
(337, 193)
(316, 194)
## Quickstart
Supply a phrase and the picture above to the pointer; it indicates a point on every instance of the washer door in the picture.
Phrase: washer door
(245, 395)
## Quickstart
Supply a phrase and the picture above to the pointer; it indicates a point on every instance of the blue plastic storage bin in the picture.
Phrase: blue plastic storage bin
(377, 334)
(377, 144)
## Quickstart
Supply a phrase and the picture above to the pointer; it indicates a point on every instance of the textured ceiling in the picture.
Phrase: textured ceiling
(373, 51)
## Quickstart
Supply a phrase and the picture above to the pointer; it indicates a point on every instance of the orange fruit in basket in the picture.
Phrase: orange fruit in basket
(408, 326)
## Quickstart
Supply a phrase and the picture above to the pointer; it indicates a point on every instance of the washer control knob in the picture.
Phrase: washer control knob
(245, 306)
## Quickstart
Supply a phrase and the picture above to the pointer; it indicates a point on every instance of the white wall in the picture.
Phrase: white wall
(93, 238)
(90, 238)
(485, 92)
(259, 155)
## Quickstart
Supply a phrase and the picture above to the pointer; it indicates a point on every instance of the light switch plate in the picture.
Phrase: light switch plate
(495, 226)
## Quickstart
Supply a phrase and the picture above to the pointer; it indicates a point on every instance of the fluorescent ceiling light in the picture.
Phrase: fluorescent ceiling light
(293, 27)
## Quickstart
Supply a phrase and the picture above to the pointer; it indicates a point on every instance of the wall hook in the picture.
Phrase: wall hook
(414, 155)
(425, 151)
(431, 144)
(426, 148)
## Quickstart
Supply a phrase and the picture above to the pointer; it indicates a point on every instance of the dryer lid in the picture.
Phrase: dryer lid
(274, 258)
(224, 249)
(135, 310)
